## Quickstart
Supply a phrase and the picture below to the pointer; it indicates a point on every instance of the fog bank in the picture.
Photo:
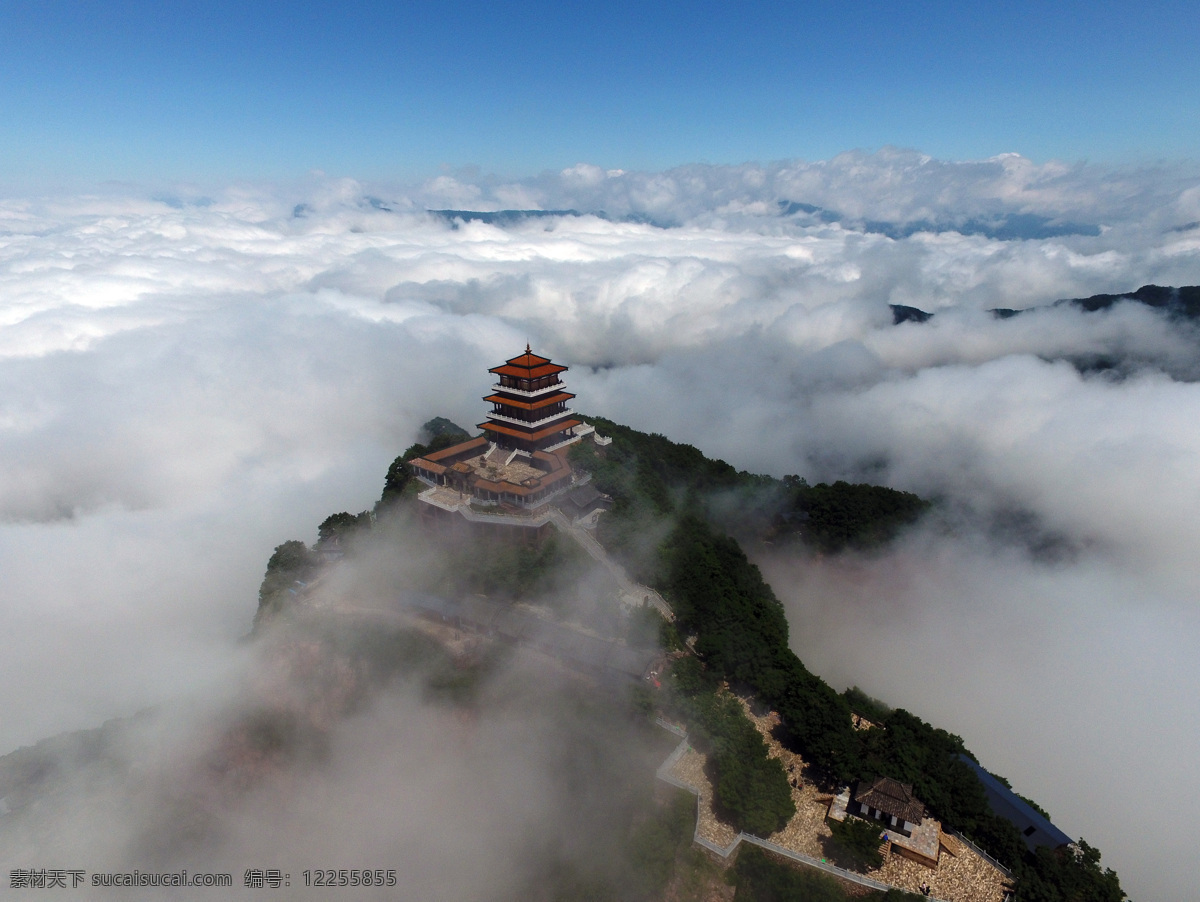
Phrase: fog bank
(191, 377)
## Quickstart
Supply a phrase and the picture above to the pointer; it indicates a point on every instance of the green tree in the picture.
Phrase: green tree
(845, 515)
(437, 434)
(1066, 875)
(751, 791)
(342, 527)
(399, 476)
(750, 788)
(721, 596)
(855, 844)
(655, 844)
(865, 706)
(442, 429)
(760, 877)
(289, 564)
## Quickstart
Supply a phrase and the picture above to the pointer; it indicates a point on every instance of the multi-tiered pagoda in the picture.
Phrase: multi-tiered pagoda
(516, 472)
(529, 405)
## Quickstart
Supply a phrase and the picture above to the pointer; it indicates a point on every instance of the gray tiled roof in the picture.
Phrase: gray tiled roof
(891, 797)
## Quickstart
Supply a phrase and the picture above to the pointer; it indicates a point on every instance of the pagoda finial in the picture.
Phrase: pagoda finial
(527, 351)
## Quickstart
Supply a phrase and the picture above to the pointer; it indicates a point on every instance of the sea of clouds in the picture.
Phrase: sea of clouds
(188, 378)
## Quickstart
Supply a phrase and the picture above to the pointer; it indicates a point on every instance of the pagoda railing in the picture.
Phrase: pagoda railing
(550, 419)
(557, 386)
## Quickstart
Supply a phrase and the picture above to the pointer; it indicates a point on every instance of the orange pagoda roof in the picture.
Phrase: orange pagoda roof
(560, 426)
(528, 366)
(521, 373)
(528, 359)
(531, 405)
(468, 445)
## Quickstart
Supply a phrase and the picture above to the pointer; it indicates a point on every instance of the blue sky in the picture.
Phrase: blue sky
(138, 91)
(184, 385)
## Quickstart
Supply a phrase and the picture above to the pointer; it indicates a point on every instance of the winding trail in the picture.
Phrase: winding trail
(632, 593)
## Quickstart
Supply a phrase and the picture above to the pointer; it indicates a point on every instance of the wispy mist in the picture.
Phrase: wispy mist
(188, 381)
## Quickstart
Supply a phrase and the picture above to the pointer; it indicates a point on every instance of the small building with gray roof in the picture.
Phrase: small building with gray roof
(890, 802)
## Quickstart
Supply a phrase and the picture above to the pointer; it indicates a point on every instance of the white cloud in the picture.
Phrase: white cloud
(583, 174)
(184, 385)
